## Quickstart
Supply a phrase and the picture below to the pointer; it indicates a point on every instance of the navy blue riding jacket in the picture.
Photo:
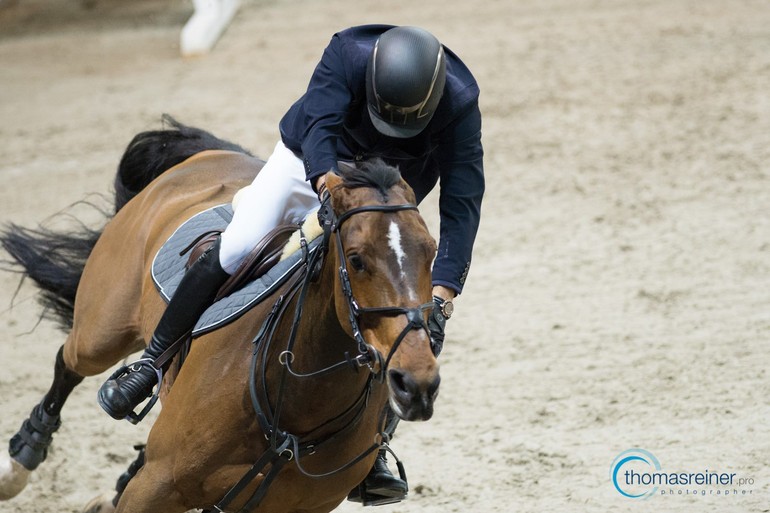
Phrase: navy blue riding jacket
(330, 122)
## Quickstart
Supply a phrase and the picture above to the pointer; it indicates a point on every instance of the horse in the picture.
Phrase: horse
(279, 411)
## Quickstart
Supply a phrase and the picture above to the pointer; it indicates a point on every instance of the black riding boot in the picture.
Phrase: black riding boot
(195, 293)
(380, 486)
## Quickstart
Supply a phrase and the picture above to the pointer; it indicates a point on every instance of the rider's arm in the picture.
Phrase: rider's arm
(313, 124)
(461, 190)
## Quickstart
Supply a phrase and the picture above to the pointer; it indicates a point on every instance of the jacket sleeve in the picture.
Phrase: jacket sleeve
(314, 122)
(461, 182)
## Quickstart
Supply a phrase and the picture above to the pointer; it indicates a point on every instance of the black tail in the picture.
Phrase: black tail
(54, 260)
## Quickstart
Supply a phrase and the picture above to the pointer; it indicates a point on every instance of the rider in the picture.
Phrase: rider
(378, 91)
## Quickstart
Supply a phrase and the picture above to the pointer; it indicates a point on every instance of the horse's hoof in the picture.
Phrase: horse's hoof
(100, 504)
(13, 477)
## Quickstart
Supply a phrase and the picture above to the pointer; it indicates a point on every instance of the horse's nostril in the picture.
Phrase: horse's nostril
(433, 388)
(400, 382)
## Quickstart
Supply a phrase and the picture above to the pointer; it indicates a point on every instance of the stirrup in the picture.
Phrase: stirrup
(133, 417)
(367, 498)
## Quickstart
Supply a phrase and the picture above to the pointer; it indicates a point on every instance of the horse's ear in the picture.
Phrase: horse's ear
(333, 183)
(333, 180)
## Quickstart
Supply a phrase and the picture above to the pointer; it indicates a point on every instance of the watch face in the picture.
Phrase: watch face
(447, 309)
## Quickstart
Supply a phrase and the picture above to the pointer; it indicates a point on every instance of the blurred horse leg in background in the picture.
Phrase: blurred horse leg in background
(206, 25)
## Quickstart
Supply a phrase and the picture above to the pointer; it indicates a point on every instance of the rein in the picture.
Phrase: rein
(284, 447)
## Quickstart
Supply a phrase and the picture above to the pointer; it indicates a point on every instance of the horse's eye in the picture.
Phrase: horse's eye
(356, 262)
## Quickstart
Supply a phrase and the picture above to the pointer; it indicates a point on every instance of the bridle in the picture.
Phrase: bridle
(284, 447)
(332, 224)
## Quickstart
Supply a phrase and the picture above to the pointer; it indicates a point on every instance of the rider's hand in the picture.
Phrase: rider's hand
(436, 325)
(437, 319)
(437, 322)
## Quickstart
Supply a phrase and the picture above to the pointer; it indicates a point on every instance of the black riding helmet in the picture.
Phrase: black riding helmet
(405, 79)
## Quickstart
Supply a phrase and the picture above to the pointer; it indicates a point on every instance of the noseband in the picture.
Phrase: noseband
(332, 224)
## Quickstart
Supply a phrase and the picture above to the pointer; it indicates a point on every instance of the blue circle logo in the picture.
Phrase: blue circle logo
(632, 473)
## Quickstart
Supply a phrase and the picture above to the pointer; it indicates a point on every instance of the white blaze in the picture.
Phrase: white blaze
(394, 240)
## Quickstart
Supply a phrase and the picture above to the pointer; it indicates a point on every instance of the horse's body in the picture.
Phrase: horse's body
(121, 315)
(207, 436)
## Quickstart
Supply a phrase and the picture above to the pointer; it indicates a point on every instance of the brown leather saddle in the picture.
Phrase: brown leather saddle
(260, 259)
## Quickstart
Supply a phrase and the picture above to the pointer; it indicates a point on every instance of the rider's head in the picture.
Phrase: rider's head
(405, 78)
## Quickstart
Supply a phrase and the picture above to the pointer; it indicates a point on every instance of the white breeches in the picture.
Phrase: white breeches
(278, 195)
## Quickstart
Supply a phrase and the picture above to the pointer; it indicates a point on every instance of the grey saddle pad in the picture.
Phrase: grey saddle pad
(168, 267)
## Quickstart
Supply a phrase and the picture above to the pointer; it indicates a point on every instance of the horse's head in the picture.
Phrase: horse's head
(383, 293)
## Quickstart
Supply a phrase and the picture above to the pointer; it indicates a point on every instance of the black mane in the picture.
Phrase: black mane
(374, 173)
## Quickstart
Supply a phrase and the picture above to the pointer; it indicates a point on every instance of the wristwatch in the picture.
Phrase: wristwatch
(446, 305)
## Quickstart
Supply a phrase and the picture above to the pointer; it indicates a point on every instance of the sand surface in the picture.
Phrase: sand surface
(620, 292)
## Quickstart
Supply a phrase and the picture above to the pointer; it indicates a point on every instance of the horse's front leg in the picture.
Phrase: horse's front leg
(151, 490)
(29, 446)
(106, 502)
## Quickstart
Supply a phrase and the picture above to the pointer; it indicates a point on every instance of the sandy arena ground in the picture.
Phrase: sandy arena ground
(620, 291)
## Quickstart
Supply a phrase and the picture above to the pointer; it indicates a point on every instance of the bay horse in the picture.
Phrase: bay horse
(294, 422)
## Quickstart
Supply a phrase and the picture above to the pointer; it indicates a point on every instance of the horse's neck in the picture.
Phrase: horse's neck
(321, 342)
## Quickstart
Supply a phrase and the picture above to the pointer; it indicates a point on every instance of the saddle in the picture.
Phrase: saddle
(268, 266)
(259, 260)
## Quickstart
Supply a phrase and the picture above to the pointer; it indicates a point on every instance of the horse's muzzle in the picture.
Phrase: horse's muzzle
(411, 398)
